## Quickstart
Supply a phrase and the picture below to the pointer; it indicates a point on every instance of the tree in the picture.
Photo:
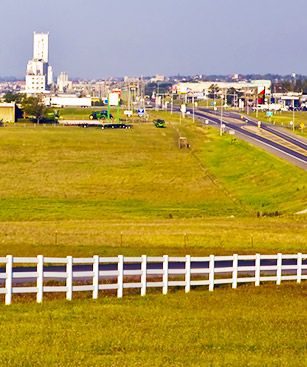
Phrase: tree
(213, 90)
(33, 106)
(232, 96)
(14, 97)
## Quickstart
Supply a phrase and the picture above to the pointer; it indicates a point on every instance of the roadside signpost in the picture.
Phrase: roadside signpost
(302, 125)
(183, 109)
(141, 112)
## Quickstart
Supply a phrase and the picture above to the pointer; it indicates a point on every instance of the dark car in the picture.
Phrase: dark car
(100, 115)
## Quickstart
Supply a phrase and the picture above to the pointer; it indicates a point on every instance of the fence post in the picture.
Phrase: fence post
(257, 270)
(120, 277)
(235, 263)
(8, 279)
(187, 273)
(278, 268)
(211, 273)
(95, 276)
(69, 278)
(143, 275)
(299, 267)
(165, 274)
(40, 278)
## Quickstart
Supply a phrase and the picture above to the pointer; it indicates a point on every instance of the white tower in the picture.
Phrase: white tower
(50, 75)
(39, 74)
(41, 47)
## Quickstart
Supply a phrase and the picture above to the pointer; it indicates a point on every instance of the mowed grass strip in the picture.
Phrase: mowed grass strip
(245, 327)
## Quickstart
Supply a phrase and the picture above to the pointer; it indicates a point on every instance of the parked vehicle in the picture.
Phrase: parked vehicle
(159, 123)
(106, 126)
(116, 126)
(100, 115)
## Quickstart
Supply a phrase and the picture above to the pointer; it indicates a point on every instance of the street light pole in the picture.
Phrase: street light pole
(293, 116)
(221, 120)
(193, 108)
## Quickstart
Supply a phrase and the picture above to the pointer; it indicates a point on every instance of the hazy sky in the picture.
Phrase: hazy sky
(100, 38)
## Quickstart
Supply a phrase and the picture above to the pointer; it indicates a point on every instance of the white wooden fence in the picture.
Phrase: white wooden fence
(41, 275)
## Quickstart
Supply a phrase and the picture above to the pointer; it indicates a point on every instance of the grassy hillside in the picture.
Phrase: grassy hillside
(74, 173)
(77, 191)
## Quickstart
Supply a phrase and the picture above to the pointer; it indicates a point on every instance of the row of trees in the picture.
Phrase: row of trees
(30, 106)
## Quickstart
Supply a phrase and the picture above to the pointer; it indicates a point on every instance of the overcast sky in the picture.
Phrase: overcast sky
(105, 38)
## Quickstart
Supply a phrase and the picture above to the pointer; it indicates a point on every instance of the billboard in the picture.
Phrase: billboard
(113, 99)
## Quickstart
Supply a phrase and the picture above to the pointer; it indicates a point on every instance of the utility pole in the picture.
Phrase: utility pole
(257, 103)
(293, 115)
(193, 108)
(129, 96)
(221, 120)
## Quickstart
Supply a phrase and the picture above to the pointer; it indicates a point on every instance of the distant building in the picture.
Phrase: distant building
(39, 75)
(7, 112)
(158, 78)
(202, 89)
(41, 47)
(50, 75)
(63, 84)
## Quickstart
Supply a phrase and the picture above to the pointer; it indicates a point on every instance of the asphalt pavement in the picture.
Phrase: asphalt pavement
(274, 140)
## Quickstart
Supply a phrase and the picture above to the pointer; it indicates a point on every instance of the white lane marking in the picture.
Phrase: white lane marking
(271, 146)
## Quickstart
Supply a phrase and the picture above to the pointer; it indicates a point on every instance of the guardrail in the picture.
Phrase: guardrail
(40, 275)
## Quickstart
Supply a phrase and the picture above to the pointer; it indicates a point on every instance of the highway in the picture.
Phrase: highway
(275, 140)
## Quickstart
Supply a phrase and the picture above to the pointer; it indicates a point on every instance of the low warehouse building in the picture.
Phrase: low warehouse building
(7, 112)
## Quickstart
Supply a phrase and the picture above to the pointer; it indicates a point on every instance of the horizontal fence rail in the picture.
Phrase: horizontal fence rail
(41, 275)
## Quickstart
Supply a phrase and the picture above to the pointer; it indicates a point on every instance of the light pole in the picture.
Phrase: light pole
(193, 108)
(221, 119)
(293, 116)
(214, 99)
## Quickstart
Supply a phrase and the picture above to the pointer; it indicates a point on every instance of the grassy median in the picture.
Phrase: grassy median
(284, 118)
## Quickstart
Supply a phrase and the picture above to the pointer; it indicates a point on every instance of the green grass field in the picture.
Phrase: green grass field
(249, 326)
(69, 190)
(75, 191)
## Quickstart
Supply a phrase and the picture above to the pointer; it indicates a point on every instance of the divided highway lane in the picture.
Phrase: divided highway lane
(234, 122)
(292, 139)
